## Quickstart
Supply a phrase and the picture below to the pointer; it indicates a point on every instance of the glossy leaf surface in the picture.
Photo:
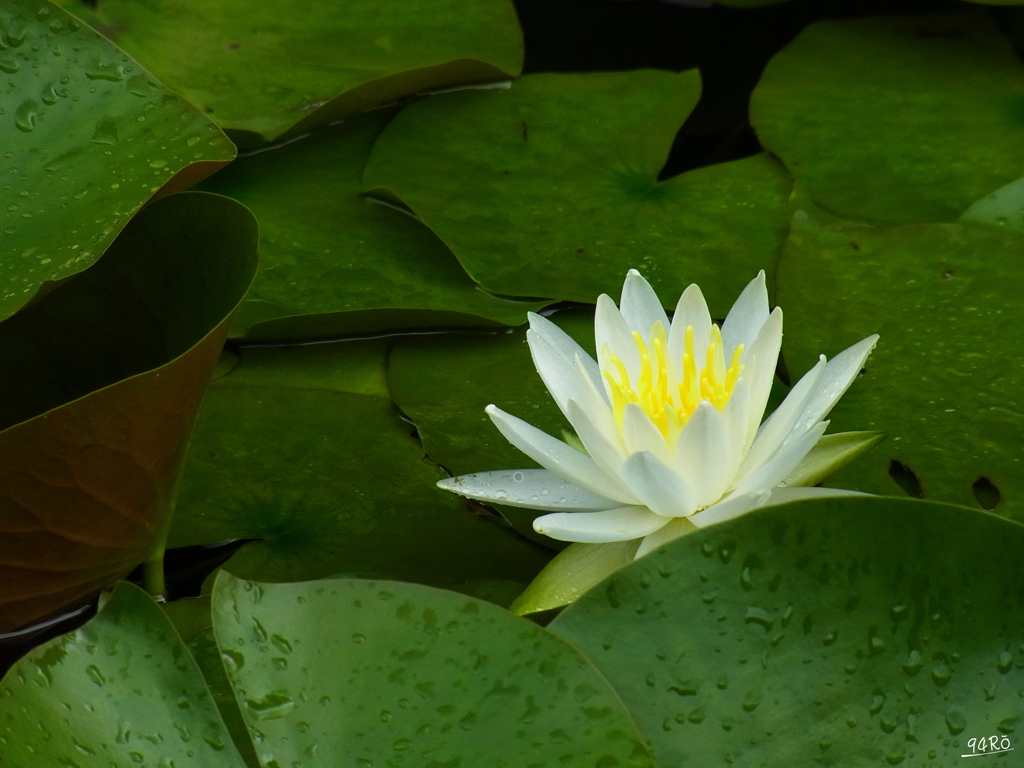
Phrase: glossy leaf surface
(302, 448)
(102, 381)
(854, 632)
(898, 118)
(550, 188)
(273, 68)
(945, 377)
(332, 262)
(122, 690)
(86, 136)
(443, 383)
(353, 672)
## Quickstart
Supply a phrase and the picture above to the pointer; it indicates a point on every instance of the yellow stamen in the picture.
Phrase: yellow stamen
(668, 404)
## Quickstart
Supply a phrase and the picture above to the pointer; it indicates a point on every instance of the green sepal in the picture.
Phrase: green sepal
(831, 453)
(572, 572)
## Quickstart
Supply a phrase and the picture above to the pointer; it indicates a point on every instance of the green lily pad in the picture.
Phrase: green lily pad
(102, 381)
(443, 383)
(122, 690)
(87, 137)
(204, 650)
(354, 673)
(845, 631)
(944, 381)
(302, 448)
(550, 188)
(896, 119)
(332, 263)
(273, 69)
(193, 621)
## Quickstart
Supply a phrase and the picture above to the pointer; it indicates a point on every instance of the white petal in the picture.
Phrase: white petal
(731, 507)
(557, 373)
(659, 487)
(640, 434)
(611, 330)
(779, 426)
(564, 345)
(702, 455)
(778, 467)
(594, 401)
(735, 506)
(564, 460)
(839, 374)
(608, 455)
(677, 527)
(748, 314)
(530, 488)
(640, 306)
(691, 310)
(599, 527)
(764, 356)
(736, 415)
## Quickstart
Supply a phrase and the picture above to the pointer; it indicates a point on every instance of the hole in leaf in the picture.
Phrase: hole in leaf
(905, 479)
(986, 493)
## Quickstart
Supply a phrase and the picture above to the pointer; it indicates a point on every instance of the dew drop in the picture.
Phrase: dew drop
(941, 674)
(233, 660)
(25, 116)
(273, 706)
(955, 720)
(518, 477)
(110, 72)
(877, 702)
(95, 675)
(1005, 662)
(913, 663)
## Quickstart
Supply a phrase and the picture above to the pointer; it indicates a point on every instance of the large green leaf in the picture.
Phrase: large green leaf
(898, 118)
(122, 690)
(87, 137)
(358, 673)
(849, 632)
(550, 188)
(102, 380)
(331, 263)
(443, 383)
(302, 448)
(944, 382)
(276, 67)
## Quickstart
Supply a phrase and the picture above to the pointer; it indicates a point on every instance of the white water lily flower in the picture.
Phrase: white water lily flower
(670, 416)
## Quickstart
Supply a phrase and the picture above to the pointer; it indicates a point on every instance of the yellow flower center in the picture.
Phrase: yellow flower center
(670, 394)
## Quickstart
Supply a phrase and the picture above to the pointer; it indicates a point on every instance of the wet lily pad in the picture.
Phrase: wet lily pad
(549, 189)
(355, 672)
(333, 263)
(102, 381)
(944, 381)
(848, 631)
(272, 69)
(128, 691)
(302, 448)
(87, 136)
(896, 119)
(443, 384)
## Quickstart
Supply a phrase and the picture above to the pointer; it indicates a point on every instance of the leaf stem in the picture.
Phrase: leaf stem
(153, 576)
